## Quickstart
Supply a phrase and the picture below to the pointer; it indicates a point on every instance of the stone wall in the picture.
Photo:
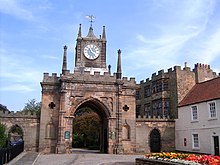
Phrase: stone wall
(29, 123)
(144, 126)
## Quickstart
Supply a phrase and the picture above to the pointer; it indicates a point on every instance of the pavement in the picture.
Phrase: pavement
(77, 157)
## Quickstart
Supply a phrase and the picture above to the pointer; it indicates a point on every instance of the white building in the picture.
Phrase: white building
(197, 128)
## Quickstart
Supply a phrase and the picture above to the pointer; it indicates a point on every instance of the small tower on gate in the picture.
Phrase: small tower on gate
(90, 51)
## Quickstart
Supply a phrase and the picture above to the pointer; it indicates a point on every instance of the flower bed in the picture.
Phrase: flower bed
(181, 158)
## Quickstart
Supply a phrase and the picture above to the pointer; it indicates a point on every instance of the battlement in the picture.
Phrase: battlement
(153, 118)
(162, 74)
(130, 81)
(203, 66)
(97, 76)
(18, 114)
(53, 78)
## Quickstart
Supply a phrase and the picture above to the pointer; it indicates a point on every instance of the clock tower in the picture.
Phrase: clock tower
(91, 52)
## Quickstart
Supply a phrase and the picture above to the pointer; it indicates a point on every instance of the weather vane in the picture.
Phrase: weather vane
(91, 18)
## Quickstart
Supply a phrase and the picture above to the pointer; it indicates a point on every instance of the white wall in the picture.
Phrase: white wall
(204, 126)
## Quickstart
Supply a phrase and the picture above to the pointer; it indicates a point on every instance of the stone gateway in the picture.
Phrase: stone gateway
(92, 86)
(133, 117)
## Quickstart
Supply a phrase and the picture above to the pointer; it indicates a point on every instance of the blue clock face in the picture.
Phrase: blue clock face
(91, 52)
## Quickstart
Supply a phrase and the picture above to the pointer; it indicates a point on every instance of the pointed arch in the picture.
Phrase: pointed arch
(95, 103)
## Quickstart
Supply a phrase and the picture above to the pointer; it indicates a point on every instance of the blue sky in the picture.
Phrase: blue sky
(152, 34)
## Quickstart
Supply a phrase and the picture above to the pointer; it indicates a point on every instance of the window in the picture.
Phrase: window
(212, 110)
(157, 108)
(138, 95)
(195, 138)
(153, 87)
(138, 110)
(158, 87)
(165, 85)
(194, 113)
(147, 110)
(147, 91)
(166, 108)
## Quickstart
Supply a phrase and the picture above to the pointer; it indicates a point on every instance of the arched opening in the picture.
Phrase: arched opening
(90, 126)
(15, 134)
(155, 141)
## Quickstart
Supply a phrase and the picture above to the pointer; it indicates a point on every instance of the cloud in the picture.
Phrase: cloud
(175, 34)
(211, 48)
(18, 88)
(13, 8)
(18, 73)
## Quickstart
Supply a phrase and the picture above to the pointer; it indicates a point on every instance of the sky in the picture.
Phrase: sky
(152, 35)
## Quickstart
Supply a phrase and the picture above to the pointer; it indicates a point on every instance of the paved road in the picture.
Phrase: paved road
(78, 157)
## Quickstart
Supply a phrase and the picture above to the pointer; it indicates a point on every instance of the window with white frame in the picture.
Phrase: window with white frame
(212, 109)
(195, 142)
(194, 113)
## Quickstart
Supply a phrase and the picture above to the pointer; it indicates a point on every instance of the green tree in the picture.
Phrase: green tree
(86, 129)
(32, 106)
(3, 135)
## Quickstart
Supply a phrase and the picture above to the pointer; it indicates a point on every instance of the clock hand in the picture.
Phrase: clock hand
(92, 51)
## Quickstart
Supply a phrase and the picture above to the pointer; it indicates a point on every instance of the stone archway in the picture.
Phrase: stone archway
(155, 140)
(103, 113)
(15, 133)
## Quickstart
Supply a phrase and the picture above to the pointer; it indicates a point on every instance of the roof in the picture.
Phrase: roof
(201, 92)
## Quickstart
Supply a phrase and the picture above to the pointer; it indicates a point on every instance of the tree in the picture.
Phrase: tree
(3, 135)
(32, 106)
(86, 129)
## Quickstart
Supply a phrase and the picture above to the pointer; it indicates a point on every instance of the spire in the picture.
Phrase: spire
(118, 74)
(91, 34)
(64, 67)
(79, 33)
(103, 33)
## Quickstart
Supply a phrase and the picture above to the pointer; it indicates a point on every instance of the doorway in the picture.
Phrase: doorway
(155, 142)
(216, 145)
(90, 127)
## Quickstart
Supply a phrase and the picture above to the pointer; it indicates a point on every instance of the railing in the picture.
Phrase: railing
(7, 154)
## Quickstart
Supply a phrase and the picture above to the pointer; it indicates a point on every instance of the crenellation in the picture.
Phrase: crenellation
(107, 74)
(170, 70)
(46, 75)
(177, 68)
(142, 82)
(97, 73)
(161, 72)
(87, 73)
(153, 75)
(200, 65)
(187, 69)
(18, 114)
(132, 80)
(203, 72)
(52, 78)
(124, 78)
(154, 118)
